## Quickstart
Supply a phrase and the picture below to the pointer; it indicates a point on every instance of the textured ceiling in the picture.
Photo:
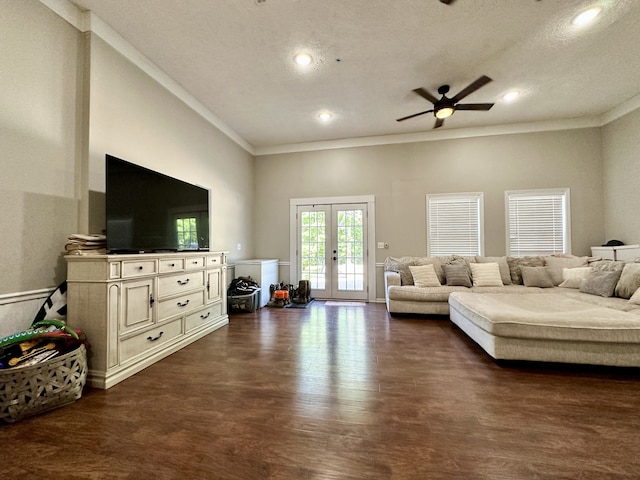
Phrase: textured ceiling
(235, 57)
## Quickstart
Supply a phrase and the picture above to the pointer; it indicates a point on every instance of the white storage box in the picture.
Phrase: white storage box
(625, 253)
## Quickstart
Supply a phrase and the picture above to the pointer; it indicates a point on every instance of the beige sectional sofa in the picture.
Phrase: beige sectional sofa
(556, 308)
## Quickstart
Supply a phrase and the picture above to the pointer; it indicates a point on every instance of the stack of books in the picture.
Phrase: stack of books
(82, 244)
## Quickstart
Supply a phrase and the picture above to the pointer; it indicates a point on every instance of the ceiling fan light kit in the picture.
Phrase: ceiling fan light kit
(445, 107)
(444, 112)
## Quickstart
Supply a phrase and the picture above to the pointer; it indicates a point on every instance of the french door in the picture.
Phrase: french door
(332, 250)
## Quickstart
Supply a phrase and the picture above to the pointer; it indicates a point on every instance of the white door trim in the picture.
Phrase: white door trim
(370, 200)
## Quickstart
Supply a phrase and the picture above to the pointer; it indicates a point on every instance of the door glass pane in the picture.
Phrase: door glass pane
(350, 249)
(312, 248)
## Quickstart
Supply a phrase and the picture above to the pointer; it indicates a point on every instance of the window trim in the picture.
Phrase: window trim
(566, 195)
(478, 197)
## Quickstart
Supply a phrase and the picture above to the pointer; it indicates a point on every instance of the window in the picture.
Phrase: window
(538, 222)
(187, 231)
(455, 224)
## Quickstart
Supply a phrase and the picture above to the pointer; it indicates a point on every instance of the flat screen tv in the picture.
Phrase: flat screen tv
(147, 211)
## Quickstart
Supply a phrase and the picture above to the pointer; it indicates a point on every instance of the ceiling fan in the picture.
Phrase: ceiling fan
(445, 107)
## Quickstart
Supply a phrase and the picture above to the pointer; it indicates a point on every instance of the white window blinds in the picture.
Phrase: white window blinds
(455, 224)
(538, 222)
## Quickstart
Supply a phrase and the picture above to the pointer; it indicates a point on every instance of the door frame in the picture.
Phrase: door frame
(371, 229)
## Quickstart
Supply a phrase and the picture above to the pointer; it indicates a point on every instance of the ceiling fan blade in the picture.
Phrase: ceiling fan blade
(474, 106)
(414, 115)
(439, 123)
(424, 94)
(482, 81)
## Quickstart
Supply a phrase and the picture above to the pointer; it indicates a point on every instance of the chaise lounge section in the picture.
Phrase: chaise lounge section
(552, 328)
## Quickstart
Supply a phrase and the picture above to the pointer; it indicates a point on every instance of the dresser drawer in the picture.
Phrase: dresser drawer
(137, 268)
(202, 317)
(213, 260)
(180, 304)
(181, 282)
(193, 263)
(151, 339)
(171, 265)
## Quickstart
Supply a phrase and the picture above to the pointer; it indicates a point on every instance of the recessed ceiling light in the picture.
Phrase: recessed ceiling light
(510, 96)
(586, 17)
(303, 59)
(325, 116)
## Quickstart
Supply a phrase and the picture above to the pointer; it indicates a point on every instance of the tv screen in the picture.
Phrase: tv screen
(147, 211)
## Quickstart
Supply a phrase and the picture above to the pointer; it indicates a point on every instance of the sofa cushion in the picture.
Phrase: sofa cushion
(424, 275)
(502, 264)
(401, 266)
(486, 275)
(601, 282)
(546, 316)
(629, 280)
(427, 294)
(457, 275)
(573, 277)
(516, 262)
(556, 263)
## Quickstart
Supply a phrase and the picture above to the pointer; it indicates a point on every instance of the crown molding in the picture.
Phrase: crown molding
(431, 135)
(621, 110)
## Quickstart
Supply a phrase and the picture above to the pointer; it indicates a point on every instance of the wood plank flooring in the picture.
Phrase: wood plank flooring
(338, 392)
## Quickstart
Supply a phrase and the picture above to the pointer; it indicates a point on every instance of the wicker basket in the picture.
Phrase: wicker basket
(26, 391)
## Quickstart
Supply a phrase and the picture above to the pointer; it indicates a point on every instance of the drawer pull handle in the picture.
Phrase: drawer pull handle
(181, 282)
(151, 300)
(140, 267)
(195, 262)
(172, 264)
(183, 304)
(204, 317)
(153, 339)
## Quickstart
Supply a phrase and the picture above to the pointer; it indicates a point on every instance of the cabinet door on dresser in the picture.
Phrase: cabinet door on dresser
(214, 285)
(137, 305)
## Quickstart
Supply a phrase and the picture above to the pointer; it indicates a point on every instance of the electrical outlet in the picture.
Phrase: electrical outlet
(382, 245)
(239, 246)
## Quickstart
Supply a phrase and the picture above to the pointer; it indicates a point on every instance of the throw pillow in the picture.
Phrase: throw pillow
(601, 282)
(424, 276)
(457, 275)
(556, 263)
(516, 262)
(400, 266)
(573, 277)
(608, 265)
(635, 298)
(486, 275)
(437, 266)
(629, 280)
(536, 277)
(502, 264)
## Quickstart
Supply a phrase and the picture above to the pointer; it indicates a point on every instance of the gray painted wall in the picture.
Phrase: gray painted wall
(621, 158)
(400, 177)
(39, 66)
(67, 99)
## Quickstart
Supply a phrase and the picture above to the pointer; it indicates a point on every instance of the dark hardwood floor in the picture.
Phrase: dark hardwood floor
(338, 392)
